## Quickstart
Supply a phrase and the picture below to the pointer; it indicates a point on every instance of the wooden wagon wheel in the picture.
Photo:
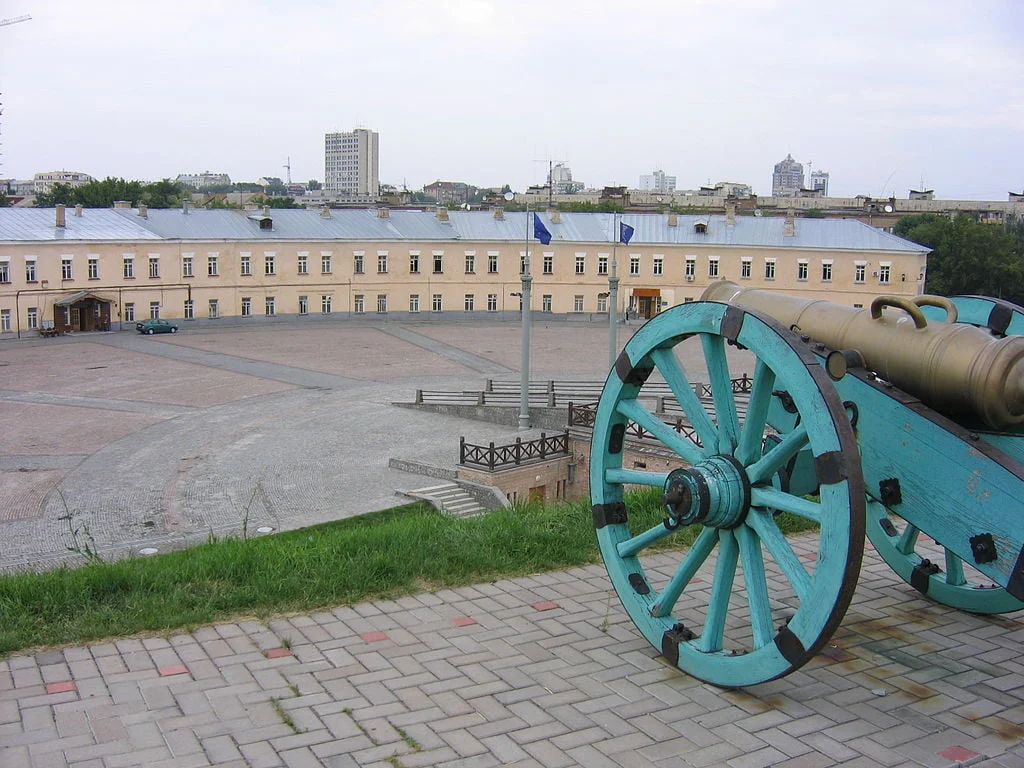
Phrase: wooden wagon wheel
(730, 634)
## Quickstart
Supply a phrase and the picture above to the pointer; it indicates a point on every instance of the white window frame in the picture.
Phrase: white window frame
(802, 269)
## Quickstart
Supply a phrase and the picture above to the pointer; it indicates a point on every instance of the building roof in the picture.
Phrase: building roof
(650, 229)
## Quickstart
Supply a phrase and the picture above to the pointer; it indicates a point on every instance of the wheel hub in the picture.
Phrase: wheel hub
(715, 492)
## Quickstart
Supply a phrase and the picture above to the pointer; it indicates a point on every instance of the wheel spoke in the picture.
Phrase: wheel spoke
(778, 546)
(908, 539)
(954, 570)
(763, 496)
(752, 433)
(632, 547)
(685, 572)
(687, 449)
(675, 377)
(779, 455)
(635, 477)
(757, 586)
(712, 635)
(721, 392)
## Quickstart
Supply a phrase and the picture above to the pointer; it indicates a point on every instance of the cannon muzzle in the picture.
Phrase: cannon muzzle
(957, 369)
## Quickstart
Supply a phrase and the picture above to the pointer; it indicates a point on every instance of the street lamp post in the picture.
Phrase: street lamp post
(524, 364)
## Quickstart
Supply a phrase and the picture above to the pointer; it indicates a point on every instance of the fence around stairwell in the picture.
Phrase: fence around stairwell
(493, 456)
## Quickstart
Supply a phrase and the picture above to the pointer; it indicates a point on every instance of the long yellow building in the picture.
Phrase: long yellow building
(90, 269)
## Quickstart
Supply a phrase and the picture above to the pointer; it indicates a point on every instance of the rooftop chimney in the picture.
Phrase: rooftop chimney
(730, 213)
(61, 220)
(383, 212)
(122, 204)
(78, 210)
(325, 212)
(673, 219)
(499, 213)
(789, 227)
(442, 214)
(143, 211)
(266, 210)
(184, 206)
(555, 215)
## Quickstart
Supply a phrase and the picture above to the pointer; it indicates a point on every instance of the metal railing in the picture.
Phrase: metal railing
(514, 454)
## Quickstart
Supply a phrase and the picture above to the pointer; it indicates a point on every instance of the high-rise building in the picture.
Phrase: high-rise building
(819, 181)
(560, 179)
(658, 181)
(351, 163)
(788, 178)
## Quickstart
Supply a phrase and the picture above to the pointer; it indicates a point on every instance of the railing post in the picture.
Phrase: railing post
(660, 404)
(462, 450)
(419, 397)
(551, 398)
(490, 457)
(519, 450)
(543, 446)
(572, 422)
(480, 398)
(565, 442)
(488, 385)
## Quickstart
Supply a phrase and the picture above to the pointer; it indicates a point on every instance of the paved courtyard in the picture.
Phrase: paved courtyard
(158, 441)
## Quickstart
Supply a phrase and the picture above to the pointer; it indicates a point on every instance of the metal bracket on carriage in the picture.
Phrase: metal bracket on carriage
(921, 575)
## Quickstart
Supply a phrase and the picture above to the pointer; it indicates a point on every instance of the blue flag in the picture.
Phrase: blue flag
(540, 231)
(625, 233)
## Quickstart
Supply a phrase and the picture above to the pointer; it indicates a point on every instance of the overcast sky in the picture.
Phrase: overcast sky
(885, 95)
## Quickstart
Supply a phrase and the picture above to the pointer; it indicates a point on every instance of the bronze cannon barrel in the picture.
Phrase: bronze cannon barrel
(957, 369)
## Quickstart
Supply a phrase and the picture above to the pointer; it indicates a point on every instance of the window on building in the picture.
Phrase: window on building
(435, 302)
(470, 263)
(154, 310)
(32, 316)
(492, 302)
(94, 267)
(246, 306)
(5, 272)
(382, 302)
(303, 264)
(438, 263)
(690, 270)
(545, 302)
(357, 263)
(245, 264)
(128, 267)
(659, 265)
(577, 303)
(5, 320)
(549, 263)
(826, 271)
(67, 268)
(745, 269)
(214, 309)
(325, 304)
(270, 306)
(859, 271)
(883, 273)
(769, 269)
(303, 305)
(129, 311)
(30, 271)
(269, 264)
(414, 302)
(382, 263)
(212, 266)
(602, 303)
(414, 263)
(634, 265)
(712, 266)
(154, 266)
(801, 270)
(492, 263)
(359, 304)
(325, 263)
(189, 310)
(469, 302)
(581, 265)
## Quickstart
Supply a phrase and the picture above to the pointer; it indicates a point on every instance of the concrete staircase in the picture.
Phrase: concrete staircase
(449, 498)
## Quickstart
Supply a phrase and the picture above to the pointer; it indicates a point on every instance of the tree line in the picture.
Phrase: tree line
(103, 194)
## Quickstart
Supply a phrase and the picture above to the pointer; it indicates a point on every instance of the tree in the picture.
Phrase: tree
(969, 257)
(276, 202)
(104, 193)
(5, 201)
(314, 184)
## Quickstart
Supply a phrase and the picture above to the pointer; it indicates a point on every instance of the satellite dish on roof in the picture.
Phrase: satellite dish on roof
(757, 212)
(510, 195)
(888, 209)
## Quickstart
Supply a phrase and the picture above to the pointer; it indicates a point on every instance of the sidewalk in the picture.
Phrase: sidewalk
(543, 671)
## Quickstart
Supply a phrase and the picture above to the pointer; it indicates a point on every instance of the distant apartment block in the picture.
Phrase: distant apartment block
(787, 178)
(560, 179)
(203, 180)
(43, 182)
(351, 163)
(450, 191)
(658, 181)
(819, 182)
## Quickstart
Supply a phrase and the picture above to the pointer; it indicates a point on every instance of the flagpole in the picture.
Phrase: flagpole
(524, 363)
(613, 314)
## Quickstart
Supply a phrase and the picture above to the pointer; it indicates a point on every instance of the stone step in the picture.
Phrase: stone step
(450, 498)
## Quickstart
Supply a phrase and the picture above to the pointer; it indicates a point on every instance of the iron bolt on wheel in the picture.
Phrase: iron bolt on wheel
(768, 609)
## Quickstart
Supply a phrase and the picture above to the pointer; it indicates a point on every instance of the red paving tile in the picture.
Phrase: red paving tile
(463, 621)
(373, 637)
(277, 653)
(545, 605)
(62, 687)
(173, 669)
(957, 753)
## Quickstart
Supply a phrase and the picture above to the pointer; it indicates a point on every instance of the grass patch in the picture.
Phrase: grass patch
(376, 556)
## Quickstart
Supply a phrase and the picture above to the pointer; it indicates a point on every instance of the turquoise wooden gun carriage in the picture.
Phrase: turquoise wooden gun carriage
(895, 421)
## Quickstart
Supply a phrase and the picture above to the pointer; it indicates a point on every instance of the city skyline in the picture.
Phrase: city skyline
(487, 93)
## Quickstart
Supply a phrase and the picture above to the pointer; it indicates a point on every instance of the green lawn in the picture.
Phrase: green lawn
(382, 555)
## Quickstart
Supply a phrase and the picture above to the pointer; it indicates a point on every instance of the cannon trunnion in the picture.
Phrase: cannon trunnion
(888, 422)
